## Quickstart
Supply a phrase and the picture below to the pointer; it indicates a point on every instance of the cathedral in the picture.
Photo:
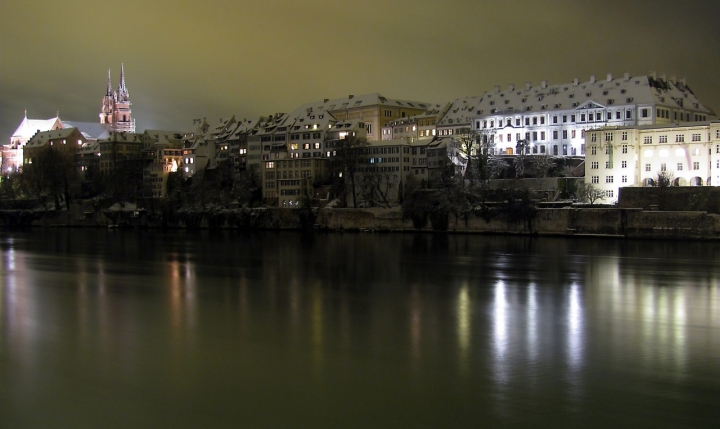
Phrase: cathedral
(116, 106)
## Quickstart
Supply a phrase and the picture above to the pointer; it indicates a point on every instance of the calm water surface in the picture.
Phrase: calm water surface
(133, 329)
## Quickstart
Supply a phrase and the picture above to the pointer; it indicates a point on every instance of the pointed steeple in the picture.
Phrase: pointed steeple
(109, 85)
(122, 89)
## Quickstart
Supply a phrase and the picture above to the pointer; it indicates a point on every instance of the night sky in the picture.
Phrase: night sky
(188, 59)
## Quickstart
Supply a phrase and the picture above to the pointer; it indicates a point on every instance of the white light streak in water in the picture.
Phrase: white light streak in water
(679, 323)
(575, 328)
(532, 321)
(500, 339)
(463, 326)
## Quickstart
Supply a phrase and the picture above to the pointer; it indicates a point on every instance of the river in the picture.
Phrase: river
(150, 329)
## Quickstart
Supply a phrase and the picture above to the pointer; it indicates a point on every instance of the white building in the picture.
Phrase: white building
(554, 118)
(634, 156)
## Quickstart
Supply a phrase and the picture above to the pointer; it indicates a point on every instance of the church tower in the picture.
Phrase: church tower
(115, 110)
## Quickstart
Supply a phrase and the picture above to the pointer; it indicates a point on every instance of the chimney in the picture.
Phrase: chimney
(497, 89)
(609, 77)
(592, 79)
(627, 76)
(683, 81)
(673, 79)
(543, 84)
(653, 75)
(528, 85)
(662, 77)
(576, 81)
(511, 87)
(350, 96)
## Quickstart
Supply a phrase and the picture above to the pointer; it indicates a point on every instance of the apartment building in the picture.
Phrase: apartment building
(288, 183)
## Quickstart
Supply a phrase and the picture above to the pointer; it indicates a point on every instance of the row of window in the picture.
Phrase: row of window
(663, 166)
(608, 179)
(540, 120)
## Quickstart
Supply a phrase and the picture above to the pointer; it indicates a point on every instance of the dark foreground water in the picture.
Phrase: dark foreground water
(133, 329)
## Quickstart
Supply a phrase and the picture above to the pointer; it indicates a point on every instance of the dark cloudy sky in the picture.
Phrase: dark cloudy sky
(186, 59)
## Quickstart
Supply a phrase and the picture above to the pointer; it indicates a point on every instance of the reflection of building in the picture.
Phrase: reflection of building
(554, 118)
(115, 109)
(635, 156)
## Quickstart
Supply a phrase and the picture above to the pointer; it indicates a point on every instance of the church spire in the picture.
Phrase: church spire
(109, 85)
(122, 89)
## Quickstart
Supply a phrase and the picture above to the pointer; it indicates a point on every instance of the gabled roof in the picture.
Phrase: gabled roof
(28, 127)
(122, 137)
(43, 137)
(373, 99)
(626, 90)
(161, 135)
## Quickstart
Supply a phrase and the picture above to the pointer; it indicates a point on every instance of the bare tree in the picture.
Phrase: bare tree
(51, 173)
(350, 151)
(664, 179)
(376, 188)
(589, 193)
(519, 162)
(543, 164)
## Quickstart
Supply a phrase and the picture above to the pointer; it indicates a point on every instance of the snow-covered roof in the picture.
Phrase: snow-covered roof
(90, 130)
(41, 138)
(607, 92)
(365, 100)
(164, 135)
(242, 127)
(28, 127)
(91, 147)
(121, 137)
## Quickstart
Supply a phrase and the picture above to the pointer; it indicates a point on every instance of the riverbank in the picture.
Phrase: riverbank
(568, 221)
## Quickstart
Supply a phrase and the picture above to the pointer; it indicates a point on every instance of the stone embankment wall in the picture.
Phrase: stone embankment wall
(618, 222)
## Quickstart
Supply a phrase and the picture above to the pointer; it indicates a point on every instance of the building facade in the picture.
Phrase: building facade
(553, 119)
(686, 154)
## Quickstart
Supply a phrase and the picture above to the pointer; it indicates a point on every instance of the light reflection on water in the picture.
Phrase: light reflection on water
(202, 329)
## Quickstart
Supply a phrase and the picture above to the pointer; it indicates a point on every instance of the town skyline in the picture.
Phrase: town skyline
(250, 70)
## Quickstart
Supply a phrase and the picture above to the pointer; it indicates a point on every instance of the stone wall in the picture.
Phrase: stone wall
(682, 198)
(632, 223)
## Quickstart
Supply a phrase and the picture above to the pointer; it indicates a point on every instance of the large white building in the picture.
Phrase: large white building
(554, 118)
(635, 156)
